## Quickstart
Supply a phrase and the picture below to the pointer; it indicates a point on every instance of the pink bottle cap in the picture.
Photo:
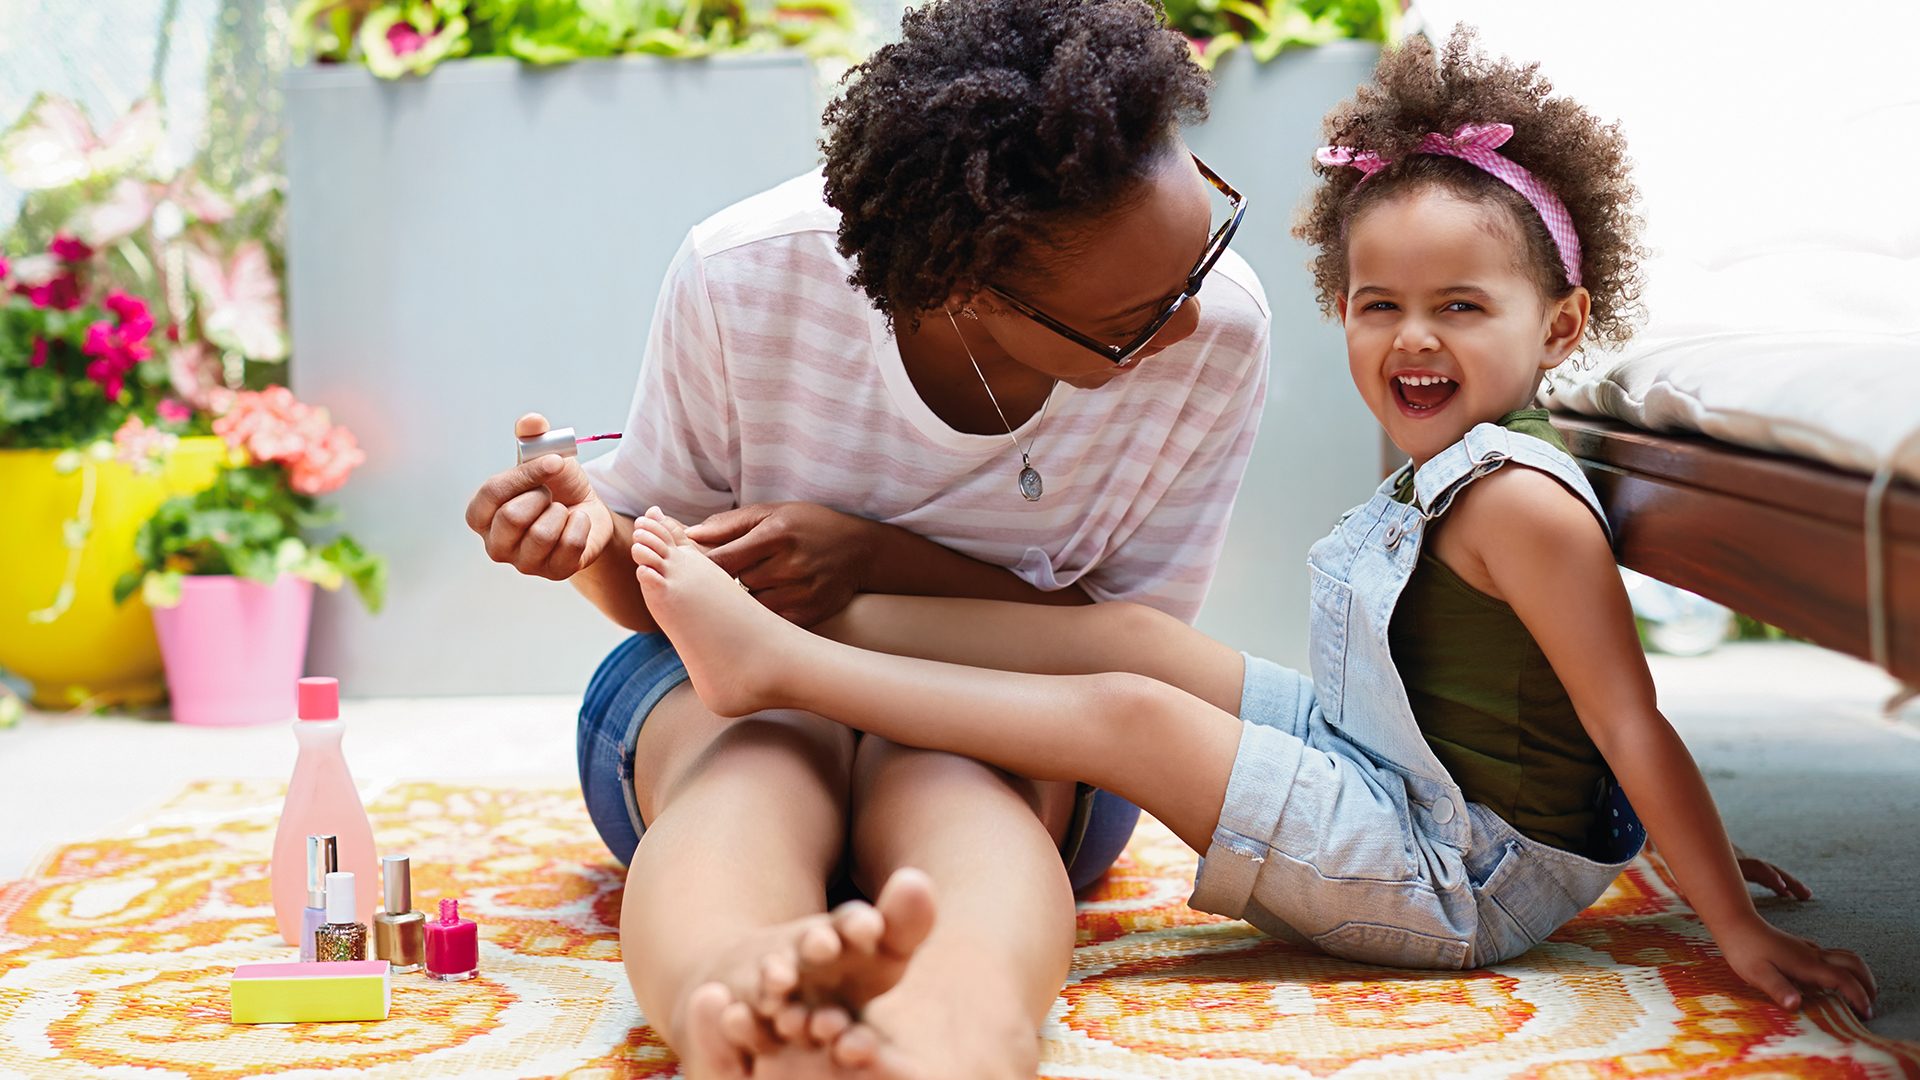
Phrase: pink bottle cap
(320, 699)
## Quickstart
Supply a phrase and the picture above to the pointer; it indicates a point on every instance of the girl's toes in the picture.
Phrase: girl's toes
(827, 1024)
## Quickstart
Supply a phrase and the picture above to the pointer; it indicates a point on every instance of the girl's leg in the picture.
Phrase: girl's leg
(1044, 640)
(971, 1001)
(1153, 744)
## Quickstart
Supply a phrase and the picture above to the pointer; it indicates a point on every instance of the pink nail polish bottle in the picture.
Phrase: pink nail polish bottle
(453, 945)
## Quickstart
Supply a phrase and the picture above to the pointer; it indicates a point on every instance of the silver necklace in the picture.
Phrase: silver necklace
(1030, 485)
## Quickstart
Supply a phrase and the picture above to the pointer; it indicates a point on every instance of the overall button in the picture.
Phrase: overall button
(1394, 533)
(1441, 811)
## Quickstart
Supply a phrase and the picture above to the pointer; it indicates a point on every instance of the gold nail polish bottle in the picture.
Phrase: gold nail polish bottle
(399, 932)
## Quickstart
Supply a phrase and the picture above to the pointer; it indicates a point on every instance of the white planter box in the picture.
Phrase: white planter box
(1319, 448)
(473, 245)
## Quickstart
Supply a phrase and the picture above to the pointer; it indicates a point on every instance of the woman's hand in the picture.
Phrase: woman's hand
(542, 517)
(802, 560)
(1780, 964)
(1768, 876)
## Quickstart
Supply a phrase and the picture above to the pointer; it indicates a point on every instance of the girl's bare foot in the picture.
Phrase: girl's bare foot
(734, 648)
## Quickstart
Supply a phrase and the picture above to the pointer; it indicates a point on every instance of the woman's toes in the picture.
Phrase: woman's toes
(856, 1048)
(828, 1023)
(908, 907)
(859, 926)
(708, 1050)
(819, 945)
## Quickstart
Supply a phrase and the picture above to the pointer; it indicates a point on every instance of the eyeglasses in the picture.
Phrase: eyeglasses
(1120, 354)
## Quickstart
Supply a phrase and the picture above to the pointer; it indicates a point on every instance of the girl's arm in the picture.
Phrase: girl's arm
(1045, 640)
(1523, 538)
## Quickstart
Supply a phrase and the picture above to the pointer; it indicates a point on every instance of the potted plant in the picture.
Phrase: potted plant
(229, 571)
(129, 290)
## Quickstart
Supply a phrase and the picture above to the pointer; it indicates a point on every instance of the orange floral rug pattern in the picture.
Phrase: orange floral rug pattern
(115, 953)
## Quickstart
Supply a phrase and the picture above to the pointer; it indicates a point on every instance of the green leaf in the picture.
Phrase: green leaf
(161, 590)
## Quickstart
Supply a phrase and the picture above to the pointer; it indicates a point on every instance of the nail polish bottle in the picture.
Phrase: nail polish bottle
(341, 937)
(453, 945)
(399, 932)
(323, 858)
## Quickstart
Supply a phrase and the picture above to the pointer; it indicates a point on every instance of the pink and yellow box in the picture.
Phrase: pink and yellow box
(310, 993)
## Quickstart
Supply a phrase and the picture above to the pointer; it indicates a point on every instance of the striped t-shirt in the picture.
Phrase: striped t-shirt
(767, 378)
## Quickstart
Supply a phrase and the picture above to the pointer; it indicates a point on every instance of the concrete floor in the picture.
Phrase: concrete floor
(1807, 772)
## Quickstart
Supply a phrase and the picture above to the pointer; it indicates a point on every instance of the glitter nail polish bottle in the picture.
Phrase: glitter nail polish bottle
(453, 945)
(341, 937)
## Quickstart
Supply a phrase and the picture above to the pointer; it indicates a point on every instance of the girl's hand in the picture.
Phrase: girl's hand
(1768, 876)
(1780, 964)
(802, 560)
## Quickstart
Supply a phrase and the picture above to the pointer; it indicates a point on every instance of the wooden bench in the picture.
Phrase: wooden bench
(1781, 539)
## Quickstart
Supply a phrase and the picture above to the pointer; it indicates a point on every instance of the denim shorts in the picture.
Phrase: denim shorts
(642, 669)
(1321, 843)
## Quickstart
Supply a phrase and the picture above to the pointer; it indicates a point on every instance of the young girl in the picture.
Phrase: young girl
(1436, 793)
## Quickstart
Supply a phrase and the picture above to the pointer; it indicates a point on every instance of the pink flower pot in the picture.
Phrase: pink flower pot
(234, 648)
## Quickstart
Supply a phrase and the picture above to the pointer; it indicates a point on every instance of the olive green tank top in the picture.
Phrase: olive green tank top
(1486, 699)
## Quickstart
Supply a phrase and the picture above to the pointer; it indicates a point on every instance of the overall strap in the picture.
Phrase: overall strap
(1488, 447)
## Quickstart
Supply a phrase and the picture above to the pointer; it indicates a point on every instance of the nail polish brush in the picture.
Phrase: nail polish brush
(560, 441)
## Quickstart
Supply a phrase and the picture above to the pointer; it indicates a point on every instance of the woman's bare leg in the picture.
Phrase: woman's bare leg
(971, 1001)
(727, 889)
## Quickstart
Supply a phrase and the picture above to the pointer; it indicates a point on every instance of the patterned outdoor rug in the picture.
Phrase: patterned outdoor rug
(114, 960)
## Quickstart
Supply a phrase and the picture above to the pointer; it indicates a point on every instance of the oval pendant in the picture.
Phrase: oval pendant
(1030, 486)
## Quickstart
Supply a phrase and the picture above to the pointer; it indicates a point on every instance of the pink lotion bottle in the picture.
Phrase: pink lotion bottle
(321, 799)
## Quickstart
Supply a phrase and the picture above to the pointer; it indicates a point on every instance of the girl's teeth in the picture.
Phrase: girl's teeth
(1422, 380)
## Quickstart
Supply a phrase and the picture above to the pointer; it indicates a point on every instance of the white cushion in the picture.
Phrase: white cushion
(1847, 399)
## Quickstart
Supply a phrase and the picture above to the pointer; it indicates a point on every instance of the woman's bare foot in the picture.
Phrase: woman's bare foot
(735, 650)
(791, 1013)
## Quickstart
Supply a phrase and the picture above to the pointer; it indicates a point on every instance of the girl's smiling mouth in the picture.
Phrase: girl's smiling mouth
(1421, 393)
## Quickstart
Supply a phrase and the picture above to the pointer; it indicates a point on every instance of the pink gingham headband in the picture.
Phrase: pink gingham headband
(1475, 144)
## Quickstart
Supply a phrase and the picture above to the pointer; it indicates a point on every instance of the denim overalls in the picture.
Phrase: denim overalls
(1340, 827)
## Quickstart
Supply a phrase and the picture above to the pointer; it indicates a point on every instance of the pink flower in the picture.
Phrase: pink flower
(326, 463)
(60, 292)
(402, 38)
(68, 248)
(39, 357)
(117, 348)
(5, 267)
(142, 447)
(275, 427)
(173, 412)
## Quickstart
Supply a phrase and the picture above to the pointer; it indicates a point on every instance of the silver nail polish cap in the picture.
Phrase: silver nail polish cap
(396, 884)
(323, 858)
(558, 441)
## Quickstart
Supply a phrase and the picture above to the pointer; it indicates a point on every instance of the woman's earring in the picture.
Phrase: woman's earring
(970, 313)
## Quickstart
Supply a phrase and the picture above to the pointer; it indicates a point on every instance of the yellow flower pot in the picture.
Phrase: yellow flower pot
(95, 651)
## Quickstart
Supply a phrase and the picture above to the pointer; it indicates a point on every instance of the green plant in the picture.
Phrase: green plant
(1267, 27)
(249, 524)
(401, 37)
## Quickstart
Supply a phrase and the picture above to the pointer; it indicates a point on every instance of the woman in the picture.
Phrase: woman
(996, 349)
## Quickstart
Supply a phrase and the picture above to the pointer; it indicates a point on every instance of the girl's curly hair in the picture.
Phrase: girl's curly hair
(1567, 148)
(991, 129)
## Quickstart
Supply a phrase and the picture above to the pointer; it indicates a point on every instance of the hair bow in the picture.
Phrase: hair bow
(1477, 144)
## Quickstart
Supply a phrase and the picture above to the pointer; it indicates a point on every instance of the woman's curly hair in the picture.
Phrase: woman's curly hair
(991, 129)
(1565, 147)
